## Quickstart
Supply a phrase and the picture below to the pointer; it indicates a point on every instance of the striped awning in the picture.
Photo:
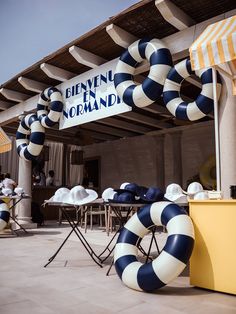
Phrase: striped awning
(5, 142)
(216, 45)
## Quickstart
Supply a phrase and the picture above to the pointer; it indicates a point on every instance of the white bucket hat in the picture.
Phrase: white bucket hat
(6, 191)
(108, 194)
(194, 188)
(202, 195)
(19, 191)
(174, 193)
(78, 195)
(59, 196)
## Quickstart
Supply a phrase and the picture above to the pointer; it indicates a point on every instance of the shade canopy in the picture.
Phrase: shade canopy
(5, 142)
(216, 45)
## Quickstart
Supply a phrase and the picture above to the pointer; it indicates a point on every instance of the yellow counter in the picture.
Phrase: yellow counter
(213, 262)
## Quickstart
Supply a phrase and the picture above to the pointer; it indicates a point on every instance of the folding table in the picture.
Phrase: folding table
(65, 208)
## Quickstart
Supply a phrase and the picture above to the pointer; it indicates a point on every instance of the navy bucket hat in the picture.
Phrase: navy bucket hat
(125, 197)
(150, 195)
(127, 187)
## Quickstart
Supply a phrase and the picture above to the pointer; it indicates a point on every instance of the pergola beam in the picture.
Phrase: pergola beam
(85, 57)
(124, 125)
(13, 95)
(134, 116)
(174, 15)
(56, 73)
(32, 85)
(5, 105)
(109, 130)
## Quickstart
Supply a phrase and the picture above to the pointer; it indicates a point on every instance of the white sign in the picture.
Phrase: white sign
(91, 96)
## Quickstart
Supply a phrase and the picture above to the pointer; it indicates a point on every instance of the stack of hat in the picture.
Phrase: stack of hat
(195, 191)
(176, 194)
(78, 195)
(132, 193)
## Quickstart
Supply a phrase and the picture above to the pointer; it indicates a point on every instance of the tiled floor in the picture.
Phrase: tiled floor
(73, 283)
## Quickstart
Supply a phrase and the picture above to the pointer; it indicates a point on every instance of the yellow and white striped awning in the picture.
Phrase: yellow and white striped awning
(216, 45)
(5, 142)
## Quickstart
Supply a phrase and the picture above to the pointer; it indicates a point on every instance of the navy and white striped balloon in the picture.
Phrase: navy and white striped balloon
(30, 137)
(172, 259)
(4, 215)
(160, 61)
(204, 103)
(50, 96)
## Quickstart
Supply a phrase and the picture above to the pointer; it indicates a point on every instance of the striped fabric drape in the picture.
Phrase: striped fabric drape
(216, 45)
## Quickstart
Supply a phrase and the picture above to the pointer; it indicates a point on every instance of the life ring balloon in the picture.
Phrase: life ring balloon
(207, 173)
(204, 103)
(4, 215)
(172, 259)
(160, 61)
(30, 137)
(50, 96)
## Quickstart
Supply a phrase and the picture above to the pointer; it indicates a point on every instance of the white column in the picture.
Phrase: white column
(24, 206)
(227, 129)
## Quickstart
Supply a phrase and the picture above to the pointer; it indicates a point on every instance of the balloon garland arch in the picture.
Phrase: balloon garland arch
(4, 215)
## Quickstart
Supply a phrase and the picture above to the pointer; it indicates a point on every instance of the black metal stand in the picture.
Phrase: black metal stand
(74, 228)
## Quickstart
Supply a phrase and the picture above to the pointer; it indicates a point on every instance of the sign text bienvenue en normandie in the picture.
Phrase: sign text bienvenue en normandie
(91, 96)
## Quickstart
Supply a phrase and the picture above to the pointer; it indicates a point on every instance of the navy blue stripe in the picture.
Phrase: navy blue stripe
(37, 138)
(49, 122)
(179, 246)
(152, 89)
(4, 215)
(128, 95)
(206, 77)
(52, 90)
(41, 107)
(128, 59)
(147, 279)
(42, 116)
(122, 77)
(56, 105)
(174, 76)
(181, 111)
(123, 262)
(20, 136)
(161, 56)
(204, 103)
(23, 124)
(43, 96)
(171, 211)
(32, 119)
(127, 236)
(20, 147)
(28, 156)
(145, 217)
(189, 68)
(169, 95)
(142, 47)
(2, 202)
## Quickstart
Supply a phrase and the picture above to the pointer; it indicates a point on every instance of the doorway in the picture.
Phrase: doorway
(92, 170)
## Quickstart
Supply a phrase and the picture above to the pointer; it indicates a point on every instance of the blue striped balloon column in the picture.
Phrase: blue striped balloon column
(30, 137)
(204, 103)
(172, 259)
(49, 97)
(160, 61)
(4, 215)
